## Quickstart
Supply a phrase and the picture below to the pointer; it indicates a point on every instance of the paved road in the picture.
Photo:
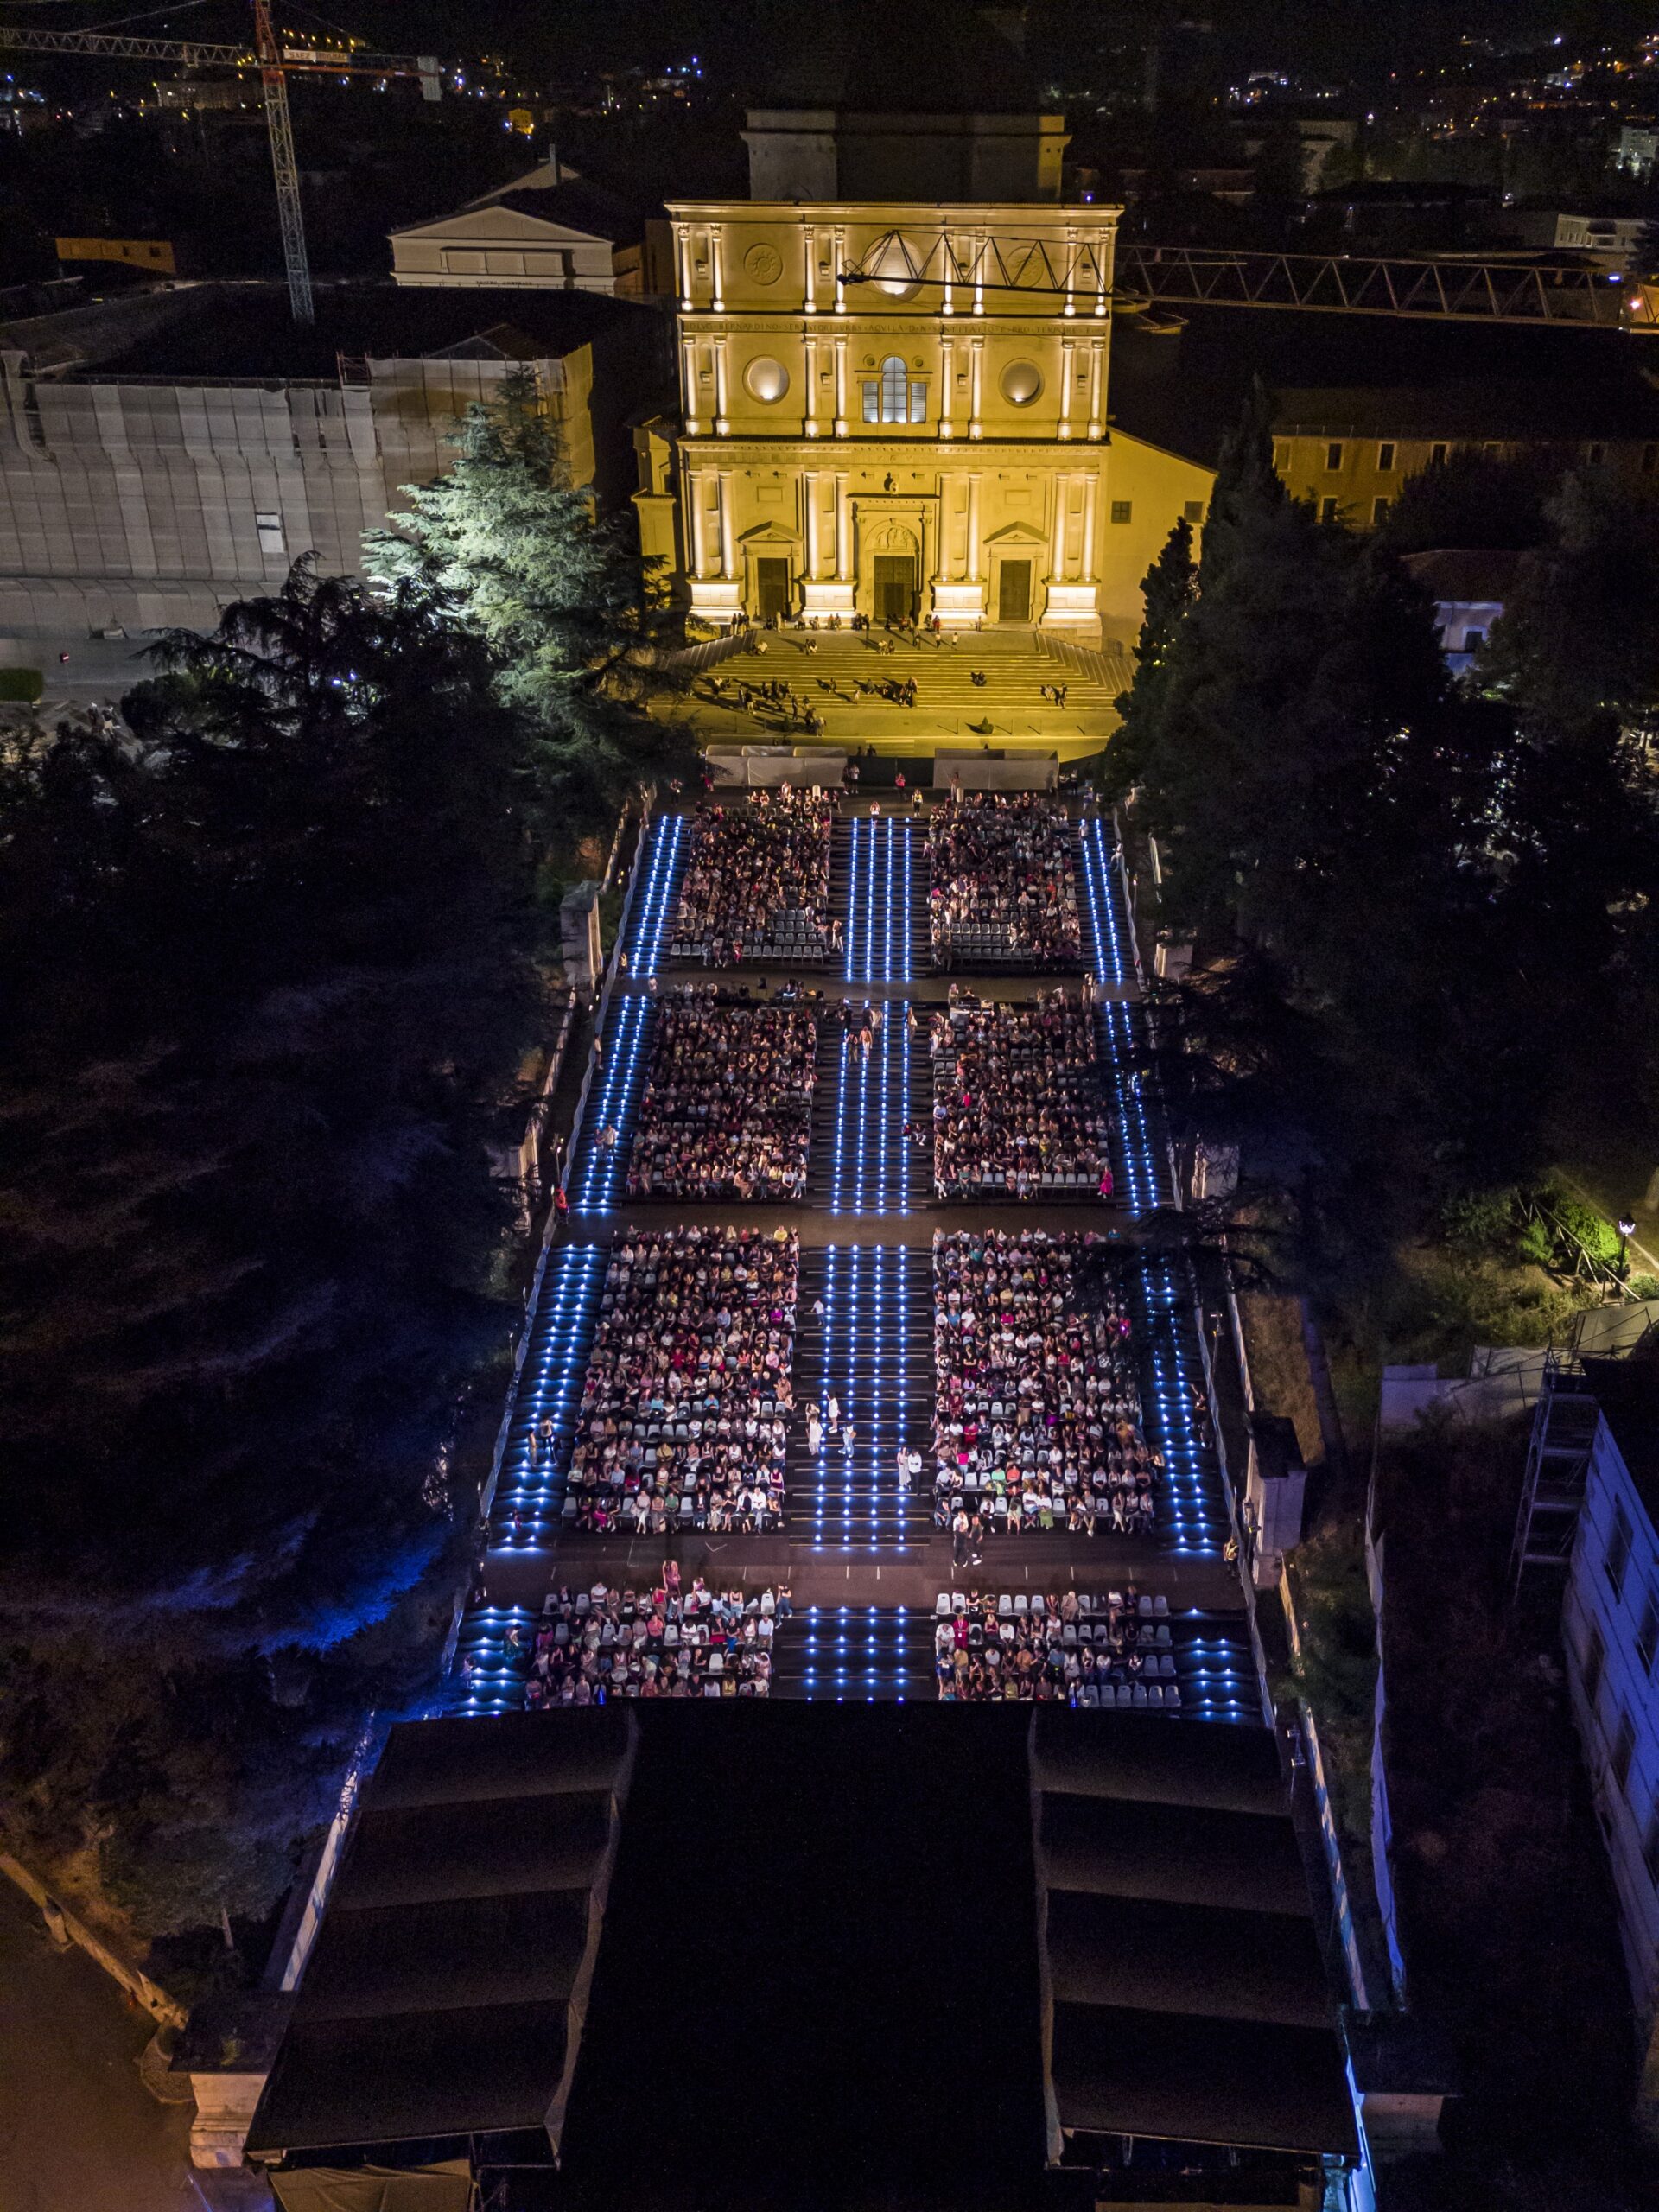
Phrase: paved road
(77, 2131)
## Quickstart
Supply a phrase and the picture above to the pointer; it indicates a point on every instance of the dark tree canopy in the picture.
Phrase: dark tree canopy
(269, 972)
(1442, 890)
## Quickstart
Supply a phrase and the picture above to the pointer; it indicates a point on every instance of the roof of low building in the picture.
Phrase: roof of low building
(1466, 575)
(1377, 376)
(1627, 1390)
(247, 330)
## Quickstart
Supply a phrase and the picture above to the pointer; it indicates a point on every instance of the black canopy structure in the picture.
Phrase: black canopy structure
(747, 1952)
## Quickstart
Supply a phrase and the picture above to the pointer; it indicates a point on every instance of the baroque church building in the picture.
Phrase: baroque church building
(894, 365)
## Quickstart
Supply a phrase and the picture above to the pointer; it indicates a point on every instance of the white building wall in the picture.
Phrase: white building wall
(1595, 1609)
(139, 505)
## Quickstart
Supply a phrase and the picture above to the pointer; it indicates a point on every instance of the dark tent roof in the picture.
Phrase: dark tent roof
(818, 1974)
(1187, 1995)
(935, 58)
(447, 1988)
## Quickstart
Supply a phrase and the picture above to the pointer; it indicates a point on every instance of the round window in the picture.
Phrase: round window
(766, 379)
(893, 266)
(1022, 381)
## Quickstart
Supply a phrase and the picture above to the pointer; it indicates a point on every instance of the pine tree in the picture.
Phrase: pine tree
(1168, 588)
(554, 589)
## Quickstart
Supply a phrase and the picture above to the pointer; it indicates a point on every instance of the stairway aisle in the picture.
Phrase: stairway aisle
(858, 1162)
(875, 871)
(613, 1101)
(868, 1350)
(874, 1652)
(1141, 1164)
(657, 900)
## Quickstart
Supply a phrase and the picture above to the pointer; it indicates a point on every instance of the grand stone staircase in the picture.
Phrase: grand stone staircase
(825, 668)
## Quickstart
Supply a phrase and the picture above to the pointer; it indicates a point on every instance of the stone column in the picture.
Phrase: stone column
(840, 387)
(979, 272)
(973, 527)
(722, 426)
(976, 382)
(696, 519)
(1091, 494)
(841, 263)
(1062, 493)
(683, 265)
(947, 304)
(1096, 381)
(1068, 360)
(809, 488)
(810, 425)
(689, 365)
(947, 385)
(1102, 256)
(1071, 269)
(717, 271)
(844, 531)
(809, 289)
(728, 536)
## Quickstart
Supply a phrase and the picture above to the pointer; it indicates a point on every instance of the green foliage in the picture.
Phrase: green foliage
(1472, 499)
(553, 590)
(1411, 904)
(1577, 650)
(269, 965)
(1480, 1221)
(21, 686)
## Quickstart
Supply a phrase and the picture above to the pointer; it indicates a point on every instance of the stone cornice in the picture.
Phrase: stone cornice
(762, 322)
(846, 453)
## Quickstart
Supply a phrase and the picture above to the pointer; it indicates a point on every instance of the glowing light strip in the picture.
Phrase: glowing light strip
(659, 903)
(614, 1106)
(1142, 1162)
(1192, 1515)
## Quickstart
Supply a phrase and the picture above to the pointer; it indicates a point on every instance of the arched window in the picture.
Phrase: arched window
(894, 396)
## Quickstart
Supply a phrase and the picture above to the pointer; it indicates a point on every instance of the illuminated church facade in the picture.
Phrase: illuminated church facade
(900, 407)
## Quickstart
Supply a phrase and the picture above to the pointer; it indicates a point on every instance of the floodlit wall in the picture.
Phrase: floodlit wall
(136, 504)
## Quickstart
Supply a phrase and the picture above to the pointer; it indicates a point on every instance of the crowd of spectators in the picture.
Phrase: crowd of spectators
(1037, 1413)
(757, 880)
(593, 1645)
(683, 1415)
(1005, 880)
(1018, 1109)
(1113, 1650)
(727, 1108)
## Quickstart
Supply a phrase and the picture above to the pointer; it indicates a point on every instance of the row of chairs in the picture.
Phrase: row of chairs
(1148, 1607)
(1162, 1697)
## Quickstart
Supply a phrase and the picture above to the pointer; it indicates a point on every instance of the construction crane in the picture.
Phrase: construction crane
(1088, 270)
(276, 64)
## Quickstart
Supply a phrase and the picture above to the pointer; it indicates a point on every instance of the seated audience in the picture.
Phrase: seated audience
(1037, 1413)
(683, 1415)
(1005, 880)
(1018, 1110)
(1067, 1650)
(757, 880)
(592, 1646)
(727, 1108)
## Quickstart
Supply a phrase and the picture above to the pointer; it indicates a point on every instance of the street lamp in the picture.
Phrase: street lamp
(1626, 1227)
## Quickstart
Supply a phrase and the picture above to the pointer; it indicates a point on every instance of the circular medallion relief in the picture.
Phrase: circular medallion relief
(764, 264)
(1021, 382)
(766, 379)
